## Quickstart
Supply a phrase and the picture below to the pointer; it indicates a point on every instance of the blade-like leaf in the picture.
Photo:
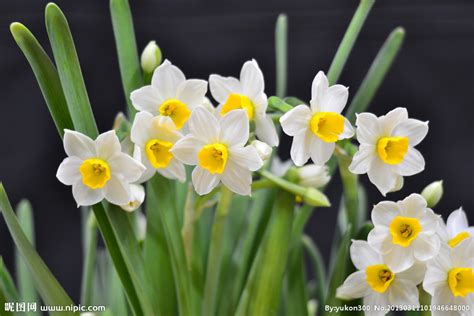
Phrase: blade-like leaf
(296, 295)
(124, 33)
(48, 287)
(319, 270)
(7, 285)
(46, 75)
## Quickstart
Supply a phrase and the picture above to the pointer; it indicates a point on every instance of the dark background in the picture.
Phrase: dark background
(432, 77)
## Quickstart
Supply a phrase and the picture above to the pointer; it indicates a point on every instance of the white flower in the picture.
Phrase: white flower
(137, 196)
(456, 228)
(151, 57)
(450, 279)
(263, 149)
(218, 150)
(386, 152)
(316, 129)
(378, 282)
(97, 169)
(170, 94)
(405, 231)
(314, 176)
(248, 94)
(154, 137)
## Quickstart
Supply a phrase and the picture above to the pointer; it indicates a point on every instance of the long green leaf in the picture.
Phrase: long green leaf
(296, 294)
(7, 285)
(281, 54)
(48, 287)
(319, 270)
(4, 302)
(124, 33)
(46, 75)
(349, 39)
(24, 278)
(69, 71)
(376, 74)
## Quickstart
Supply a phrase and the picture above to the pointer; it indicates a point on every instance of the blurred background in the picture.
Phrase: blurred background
(432, 77)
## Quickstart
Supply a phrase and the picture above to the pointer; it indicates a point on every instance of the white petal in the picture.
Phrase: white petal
(204, 181)
(192, 92)
(186, 149)
(415, 274)
(374, 299)
(221, 87)
(166, 79)
(463, 254)
(234, 128)
(403, 293)
(434, 278)
(126, 166)
(68, 171)
(415, 130)
(140, 132)
(146, 99)
(362, 159)
(137, 196)
(296, 120)
(392, 119)
(430, 221)
(355, 286)
(382, 176)
(413, 205)
(442, 297)
(321, 151)
(203, 125)
(78, 145)
(107, 145)
(85, 196)
(380, 239)
(368, 128)
(412, 163)
(246, 157)
(363, 255)
(175, 170)
(301, 148)
(251, 78)
(426, 246)
(335, 99)
(457, 222)
(236, 178)
(384, 212)
(117, 191)
(348, 131)
(319, 88)
(399, 258)
(265, 130)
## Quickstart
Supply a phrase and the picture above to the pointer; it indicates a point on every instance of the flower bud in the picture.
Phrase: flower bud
(313, 176)
(151, 57)
(263, 149)
(312, 307)
(433, 193)
(137, 193)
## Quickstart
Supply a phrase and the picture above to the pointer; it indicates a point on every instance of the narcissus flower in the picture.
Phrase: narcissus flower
(456, 228)
(247, 94)
(450, 280)
(170, 94)
(314, 176)
(263, 149)
(378, 282)
(217, 148)
(317, 128)
(154, 136)
(405, 231)
(98, 169)
(137, 196)
(386, 152)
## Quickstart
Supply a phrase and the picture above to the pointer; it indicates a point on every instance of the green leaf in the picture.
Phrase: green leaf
(319, 271)
(278, 104)
(24, 278)
(376, 74)
(48, 287)
(296, 295)
(90, 248)
(349, 39)
(129, 63)
(281, 54)
(69, 71)
(7, 285)
(3, 302)
(45, 74)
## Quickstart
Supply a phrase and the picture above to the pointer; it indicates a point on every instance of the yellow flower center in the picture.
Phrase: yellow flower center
(237, 102)
(379, 277)
(461, 281)
(327, 126)
(213, 157)
(392, 150)
(176, 110)
(158, 153)
(404, 230)
(453, 242)
(95, 173)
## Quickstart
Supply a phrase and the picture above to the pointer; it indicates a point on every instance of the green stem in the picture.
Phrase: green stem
(90, 248)
(281, 54)
(215, 253)
(425, 301)
(349, 40)
(301, 218)
(319, 270)
(262, 184)
(350, 184)
(278, 104)
(376, 74)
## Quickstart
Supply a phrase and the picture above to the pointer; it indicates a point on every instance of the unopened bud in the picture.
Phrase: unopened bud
(313, 176)
(312, 307)
(151, 57)
(433, 193)
(137, 194)
(263, 149)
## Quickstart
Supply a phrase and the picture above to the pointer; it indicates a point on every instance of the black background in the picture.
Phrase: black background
(432, 77)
